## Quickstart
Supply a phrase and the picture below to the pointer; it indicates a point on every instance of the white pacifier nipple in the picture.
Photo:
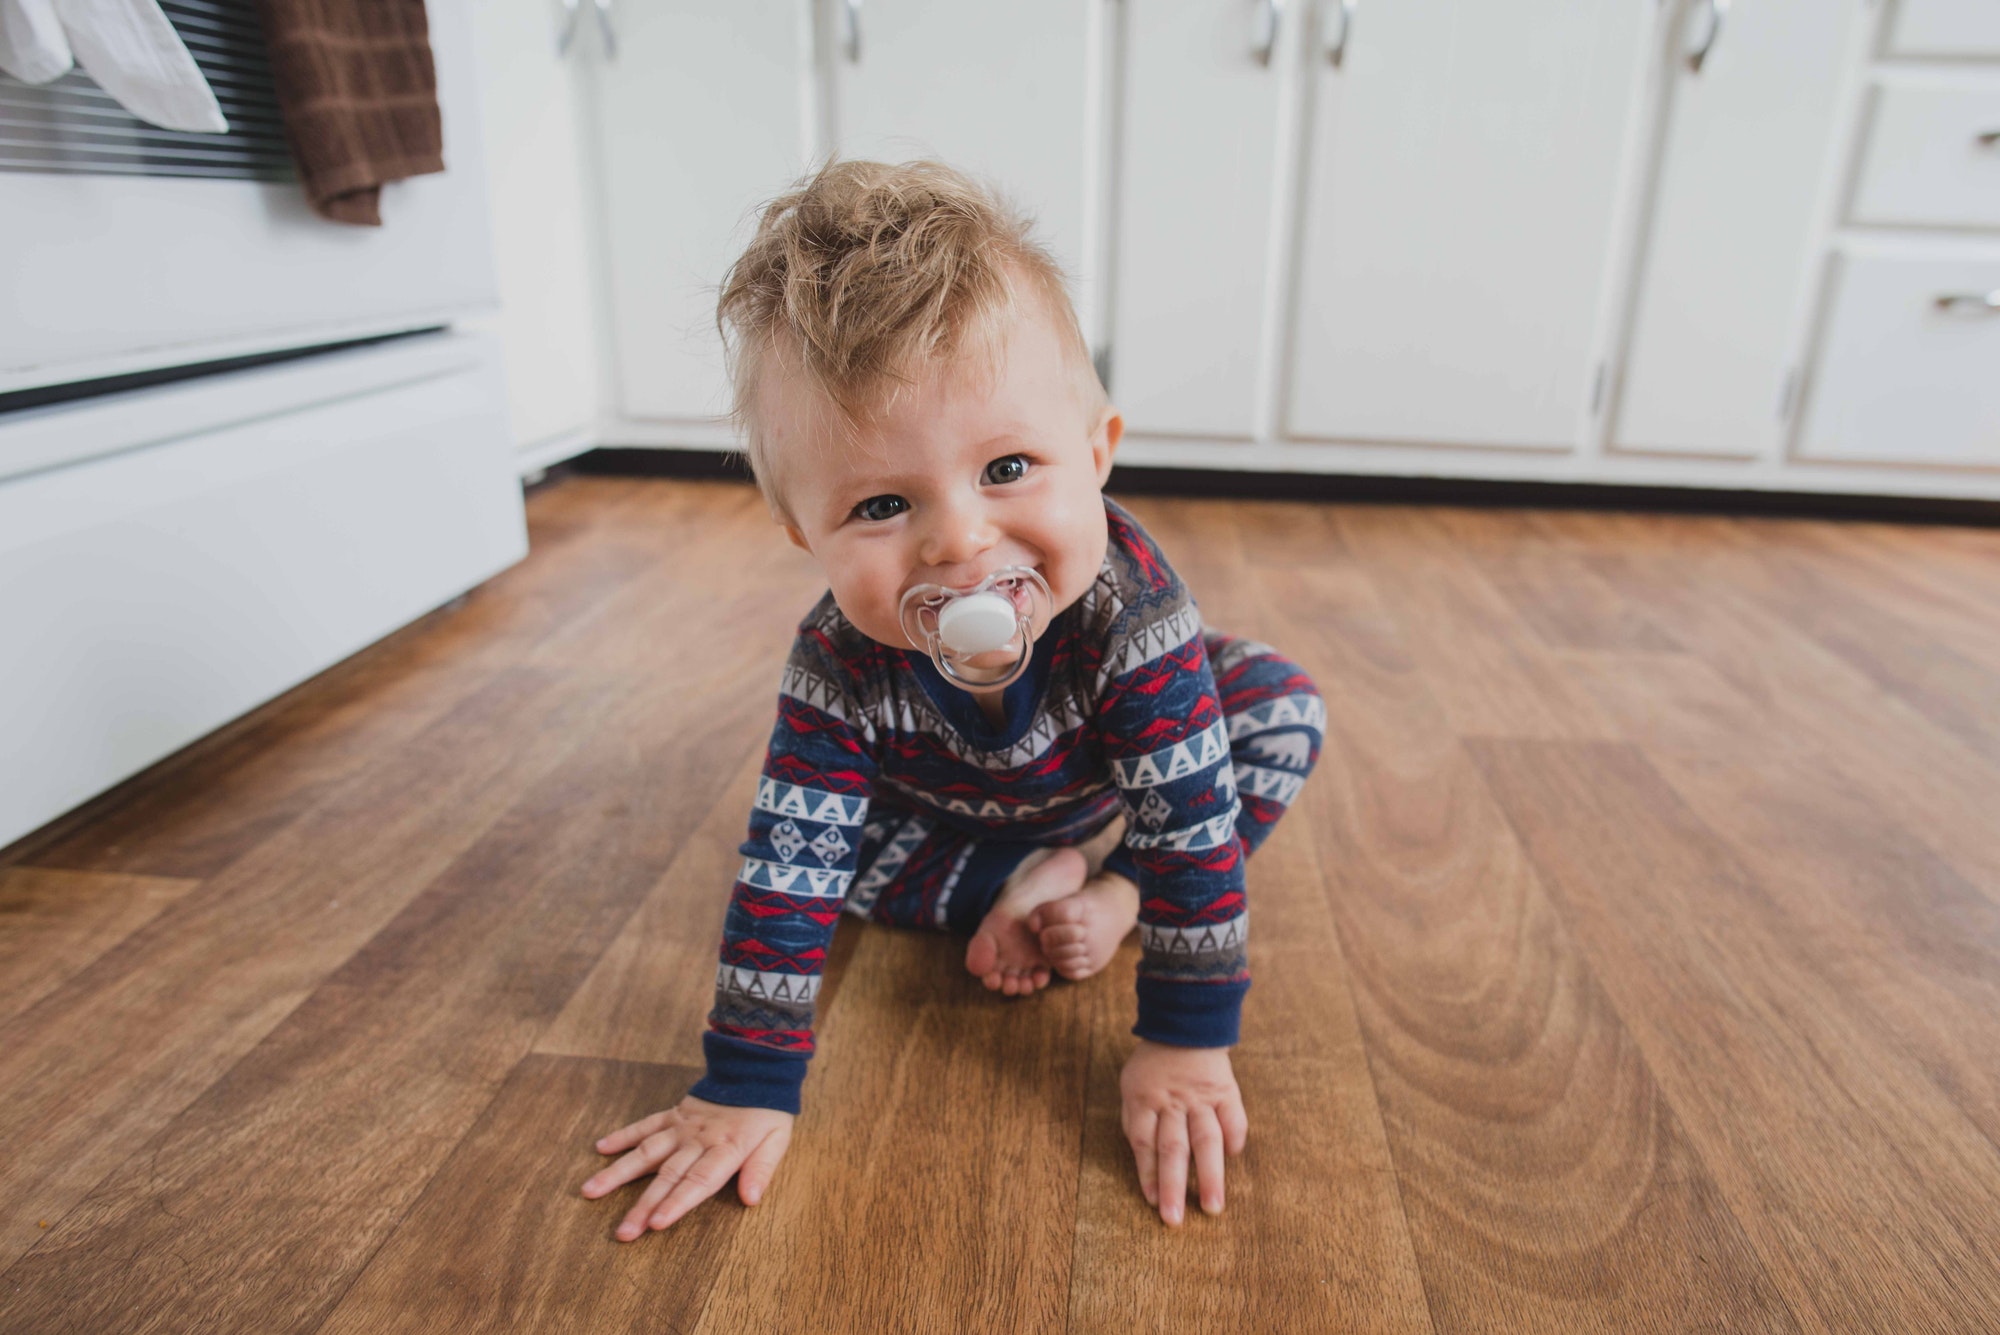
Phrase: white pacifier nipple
(953, 625)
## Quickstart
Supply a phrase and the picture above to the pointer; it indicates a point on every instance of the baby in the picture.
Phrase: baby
(921, 413)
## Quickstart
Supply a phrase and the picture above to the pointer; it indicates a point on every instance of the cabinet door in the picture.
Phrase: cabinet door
(532, 104)
(1740, 167)
(999, 91)
(1197, 173)
(1463, 183)
(700, 119)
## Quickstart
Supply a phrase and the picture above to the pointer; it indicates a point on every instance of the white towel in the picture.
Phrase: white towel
(32, 46)
(136, 56)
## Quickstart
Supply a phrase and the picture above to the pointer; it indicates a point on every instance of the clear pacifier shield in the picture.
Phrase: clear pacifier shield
(954, 625)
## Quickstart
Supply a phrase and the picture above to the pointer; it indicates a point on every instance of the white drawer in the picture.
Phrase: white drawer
(1932, 156)
(1899, 379)
(1946, 28)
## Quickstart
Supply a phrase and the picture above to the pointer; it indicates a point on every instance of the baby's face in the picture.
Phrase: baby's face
(953, 484)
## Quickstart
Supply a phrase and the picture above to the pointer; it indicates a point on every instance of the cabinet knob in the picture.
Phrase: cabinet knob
(850, 13)
(1265, 37)
(1991, 139)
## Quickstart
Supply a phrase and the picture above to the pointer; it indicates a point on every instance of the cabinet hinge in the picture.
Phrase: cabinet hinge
(1597, 391)
(1102, 361)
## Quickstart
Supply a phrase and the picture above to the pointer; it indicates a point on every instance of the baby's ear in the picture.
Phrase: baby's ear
(793, 532)
(1104, 442)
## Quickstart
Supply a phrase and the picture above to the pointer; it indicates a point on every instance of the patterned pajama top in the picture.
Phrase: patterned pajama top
(887, 792)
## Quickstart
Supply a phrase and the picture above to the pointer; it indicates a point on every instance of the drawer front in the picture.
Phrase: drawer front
(1932, 157)
(1963, 28)
(1902, 379)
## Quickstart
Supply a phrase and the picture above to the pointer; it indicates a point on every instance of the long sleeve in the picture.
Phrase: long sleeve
(1167, 741)
(805, 829)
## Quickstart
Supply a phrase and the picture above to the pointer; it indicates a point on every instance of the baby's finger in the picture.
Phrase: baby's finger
(1205, 1135)
(703, 1180)
(1140, 1129)
(1173, 1163)
(625, 1137)
(649, 1154)
(1235, 1124)
(633, 1225)
(755, 1175)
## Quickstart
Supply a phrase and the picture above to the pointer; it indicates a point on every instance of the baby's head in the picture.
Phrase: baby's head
(916, 395)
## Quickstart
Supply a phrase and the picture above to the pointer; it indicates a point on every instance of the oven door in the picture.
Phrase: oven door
(113, 270)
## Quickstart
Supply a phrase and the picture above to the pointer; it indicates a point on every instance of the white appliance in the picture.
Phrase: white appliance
(179, 544)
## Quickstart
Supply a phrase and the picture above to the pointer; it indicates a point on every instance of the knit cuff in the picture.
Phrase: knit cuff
(744, 1075)
(1190, 1015)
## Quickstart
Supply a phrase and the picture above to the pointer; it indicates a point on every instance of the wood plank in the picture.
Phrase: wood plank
(282, 1179)
(53, 923)
(930, 1182)
(1486, 671)
(1925, 778)
(1549, 1184)
(501, 1241)
(1874, 1204)
(1313, 1234)
(1876, 911)
(102, 1063)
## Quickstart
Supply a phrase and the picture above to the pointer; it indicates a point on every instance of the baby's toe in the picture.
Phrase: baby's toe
(1062, 938)
(1067, 911)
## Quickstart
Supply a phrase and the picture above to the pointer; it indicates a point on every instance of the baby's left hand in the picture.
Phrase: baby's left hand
(1177, 1102)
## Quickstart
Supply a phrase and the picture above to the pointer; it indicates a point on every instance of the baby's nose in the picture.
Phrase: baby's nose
(958, 540)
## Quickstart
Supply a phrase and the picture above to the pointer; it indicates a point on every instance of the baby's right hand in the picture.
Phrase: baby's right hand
(693, 1147)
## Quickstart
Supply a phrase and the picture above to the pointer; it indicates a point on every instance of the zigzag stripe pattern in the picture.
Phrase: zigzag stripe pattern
(805, 882)
(1289, 711)
(789, 799)
(1204, 940)
(757, 985)
(888, 863)
(1272, 785)
(1178, 761)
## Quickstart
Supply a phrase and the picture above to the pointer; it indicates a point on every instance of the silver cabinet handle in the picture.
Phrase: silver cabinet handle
(851, 20)
(1986, 303)
(1266, 39)
(572, 12)
(605, 29)
(1336, 50)
(1991, 139)
(1717, 10)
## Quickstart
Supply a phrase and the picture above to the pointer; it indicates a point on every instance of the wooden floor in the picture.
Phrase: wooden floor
(1631, 962)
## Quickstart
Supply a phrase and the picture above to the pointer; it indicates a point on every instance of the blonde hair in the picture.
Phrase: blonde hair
(867, 274)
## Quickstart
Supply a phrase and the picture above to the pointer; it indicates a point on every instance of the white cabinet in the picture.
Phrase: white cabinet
(532, 108)
(1191, 285)
(1932, 155)
(1725, 260)
(998, 90)
(1961, 28)
(1462, 195)
(1909, 370)
(701, 116)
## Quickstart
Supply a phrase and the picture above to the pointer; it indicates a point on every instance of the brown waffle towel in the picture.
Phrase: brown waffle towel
(359, 95)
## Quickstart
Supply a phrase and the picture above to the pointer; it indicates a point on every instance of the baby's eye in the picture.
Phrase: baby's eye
(1012, 468)
(878, 508)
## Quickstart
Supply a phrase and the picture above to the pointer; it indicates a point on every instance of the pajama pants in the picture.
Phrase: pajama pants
(916, 871)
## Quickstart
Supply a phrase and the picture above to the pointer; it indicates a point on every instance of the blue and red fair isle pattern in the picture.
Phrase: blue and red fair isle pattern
(875, 802)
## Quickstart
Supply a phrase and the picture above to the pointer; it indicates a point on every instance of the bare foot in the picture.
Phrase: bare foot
(1080, 933)
(1005, 953)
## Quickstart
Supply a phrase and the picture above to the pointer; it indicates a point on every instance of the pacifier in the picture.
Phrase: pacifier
(953, 625)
